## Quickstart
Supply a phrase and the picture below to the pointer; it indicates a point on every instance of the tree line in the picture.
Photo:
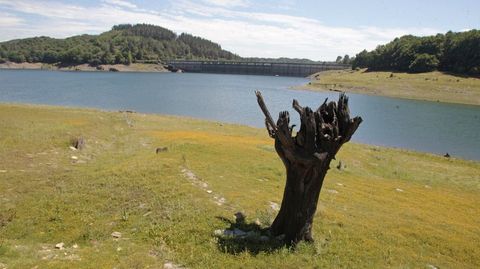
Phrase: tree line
(124, 44)
(450, 52)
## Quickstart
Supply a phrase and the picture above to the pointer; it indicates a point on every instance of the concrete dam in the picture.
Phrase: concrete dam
(254, 68)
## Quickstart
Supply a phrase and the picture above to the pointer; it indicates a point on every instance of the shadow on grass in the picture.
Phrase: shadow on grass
(243, 236)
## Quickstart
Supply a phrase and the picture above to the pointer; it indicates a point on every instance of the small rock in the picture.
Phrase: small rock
(148, 213)
(72, 148)
(59, 245)
(228, 232)
(399, 190)
(168, 265)
(78, 143)
(75, 246)
(220, 201)
(238, 232)
(274, 206)
(158, 150)
(209, 191)
(119, 249)
(332, 191)
(117, 234)
(218, 232)
(258, 222)
(74, 158)
(430, 266)
(339, 184)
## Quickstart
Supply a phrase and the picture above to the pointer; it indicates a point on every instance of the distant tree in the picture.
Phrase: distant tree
(129, 58)
(453, 52)
(124, 44)
(339, 59)
(423, 63)
(346, 59)
(16, 57)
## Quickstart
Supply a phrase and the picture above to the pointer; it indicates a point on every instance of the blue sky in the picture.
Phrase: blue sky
(318, 30)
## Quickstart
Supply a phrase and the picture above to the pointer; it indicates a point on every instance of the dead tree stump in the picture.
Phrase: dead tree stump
(306, 156)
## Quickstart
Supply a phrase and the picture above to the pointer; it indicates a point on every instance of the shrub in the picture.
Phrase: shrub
(423, 63)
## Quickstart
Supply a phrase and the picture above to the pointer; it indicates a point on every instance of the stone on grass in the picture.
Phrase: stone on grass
(274, 206)
(59, 245)
(399, 190)
(238, 232)
(170, 265)
(117, 234)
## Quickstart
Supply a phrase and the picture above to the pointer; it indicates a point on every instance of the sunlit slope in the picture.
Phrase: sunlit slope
(386, 208)
(431, 86)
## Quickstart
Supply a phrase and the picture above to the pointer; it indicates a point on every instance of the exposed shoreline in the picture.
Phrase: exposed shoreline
(179, 117)
(134, 67)
(432, 86)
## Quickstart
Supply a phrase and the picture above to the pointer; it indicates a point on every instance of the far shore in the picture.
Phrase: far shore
(134, 67)
(432, 86)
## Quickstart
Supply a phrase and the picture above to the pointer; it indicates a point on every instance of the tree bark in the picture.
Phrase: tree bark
(306, 156)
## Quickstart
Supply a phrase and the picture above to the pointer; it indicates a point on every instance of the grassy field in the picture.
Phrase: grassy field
(386, 208)
(433, 86)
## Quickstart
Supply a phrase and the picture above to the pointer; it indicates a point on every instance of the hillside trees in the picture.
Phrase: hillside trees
(124, 44)
(452, 52)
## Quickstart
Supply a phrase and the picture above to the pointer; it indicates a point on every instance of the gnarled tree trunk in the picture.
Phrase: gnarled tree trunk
(306, 157)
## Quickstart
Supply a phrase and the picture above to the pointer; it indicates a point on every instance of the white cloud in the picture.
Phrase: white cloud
(245, 33)
(228, 3)
(120, 3)
(8, 20)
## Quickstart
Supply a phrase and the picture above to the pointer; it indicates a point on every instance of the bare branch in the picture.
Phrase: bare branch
(265, 111)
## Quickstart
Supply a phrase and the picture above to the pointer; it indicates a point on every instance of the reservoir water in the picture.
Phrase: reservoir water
(418, 125)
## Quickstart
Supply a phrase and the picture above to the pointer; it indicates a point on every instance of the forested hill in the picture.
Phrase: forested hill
(451, 52)
(124, 44)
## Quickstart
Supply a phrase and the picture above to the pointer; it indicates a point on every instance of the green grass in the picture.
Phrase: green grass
(433, 86)
(119, 184)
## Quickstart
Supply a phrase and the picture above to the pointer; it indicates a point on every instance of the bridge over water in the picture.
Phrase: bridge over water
(254, 68)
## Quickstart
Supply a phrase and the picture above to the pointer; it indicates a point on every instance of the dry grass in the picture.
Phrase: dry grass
(393, 208)
(433, 86)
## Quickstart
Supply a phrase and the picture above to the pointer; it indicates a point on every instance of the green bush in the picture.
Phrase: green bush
(423, 63)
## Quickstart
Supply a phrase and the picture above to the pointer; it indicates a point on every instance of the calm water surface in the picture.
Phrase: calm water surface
(424, 126)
